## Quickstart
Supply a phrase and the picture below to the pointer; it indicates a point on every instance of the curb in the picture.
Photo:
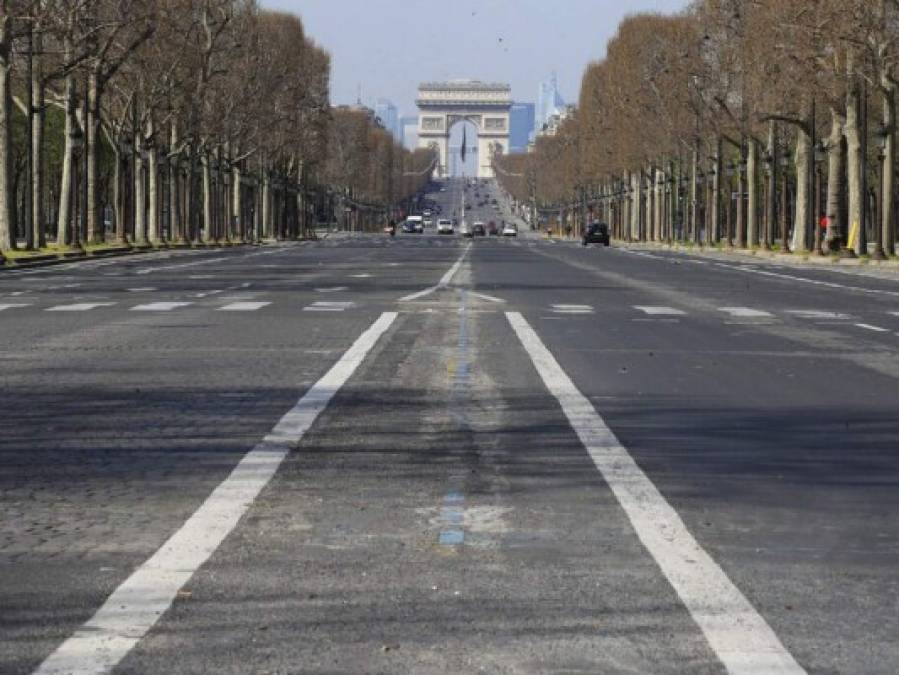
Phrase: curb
(51, 259)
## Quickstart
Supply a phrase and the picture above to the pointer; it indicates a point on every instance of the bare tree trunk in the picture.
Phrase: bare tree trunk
(887, 223)
(118, 197)
(266, 206)
(37, 143)
(836, 226)
(207, 199)
(237, 202)
(153, 197)
(854, 164)
(752, 209)
(95, 229)
(694, 197)
(715, 233)
(64, 213)
(175, 213)
(140, 201)
(803, 159)
(7, 228)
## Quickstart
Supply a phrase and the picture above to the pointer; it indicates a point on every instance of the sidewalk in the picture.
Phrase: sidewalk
(20, 259)
(883, 269)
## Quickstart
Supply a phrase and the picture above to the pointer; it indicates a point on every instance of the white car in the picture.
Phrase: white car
(445, 226)
(465, 230)
(428, 222)
(510, 230)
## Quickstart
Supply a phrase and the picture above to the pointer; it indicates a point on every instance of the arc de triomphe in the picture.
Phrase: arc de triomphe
(486, 105)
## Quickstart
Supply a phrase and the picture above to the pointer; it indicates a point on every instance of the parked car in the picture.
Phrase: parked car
(428, 222)
(478, 230)
(445, 226)
(596, 233)
(492, 229)
(510, 230)
(465, 230)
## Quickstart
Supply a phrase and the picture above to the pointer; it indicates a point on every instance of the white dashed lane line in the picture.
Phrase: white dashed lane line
(877, 329)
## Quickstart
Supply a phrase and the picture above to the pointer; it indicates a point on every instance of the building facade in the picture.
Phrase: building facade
(387, 113)
(521, 126)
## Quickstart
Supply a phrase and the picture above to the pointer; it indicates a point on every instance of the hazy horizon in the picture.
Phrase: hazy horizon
(388, 48)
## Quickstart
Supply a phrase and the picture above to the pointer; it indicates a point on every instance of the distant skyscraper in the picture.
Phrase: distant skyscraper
(386, 112)
(521, 126)
(409, 128)
(549, 102)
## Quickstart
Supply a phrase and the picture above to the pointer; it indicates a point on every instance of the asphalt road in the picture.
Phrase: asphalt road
(427, 455)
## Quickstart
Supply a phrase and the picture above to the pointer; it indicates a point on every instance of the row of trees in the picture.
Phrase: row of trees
(150, 121)
(763, 123)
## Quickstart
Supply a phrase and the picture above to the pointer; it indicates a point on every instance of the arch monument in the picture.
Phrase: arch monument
(441, 105)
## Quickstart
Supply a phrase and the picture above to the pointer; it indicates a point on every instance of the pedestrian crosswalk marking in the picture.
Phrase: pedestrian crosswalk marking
(745, 312)
(816, 314)
(80, 306)
(159, 306)
(659, 311)
(13, 305)
(243, 306)
(328, 306)
(572, 309)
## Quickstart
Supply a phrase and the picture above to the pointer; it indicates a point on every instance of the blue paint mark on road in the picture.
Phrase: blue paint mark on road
(452, 537)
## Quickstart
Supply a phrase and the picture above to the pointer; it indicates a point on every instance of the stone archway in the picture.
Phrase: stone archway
(443, 104)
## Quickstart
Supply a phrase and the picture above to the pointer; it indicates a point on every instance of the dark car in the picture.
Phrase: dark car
(596, 233)
(492, 229)
(478, 230)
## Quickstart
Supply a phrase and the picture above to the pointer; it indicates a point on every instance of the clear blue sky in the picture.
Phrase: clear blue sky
(389, 46)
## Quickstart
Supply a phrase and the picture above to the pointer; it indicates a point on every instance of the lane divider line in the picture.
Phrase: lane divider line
(139, 602)
(868, 326)
(738, 634)
(444, 280)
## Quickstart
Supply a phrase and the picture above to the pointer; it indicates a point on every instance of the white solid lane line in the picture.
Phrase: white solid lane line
(13, 305)
(745, 312)
(159, 306)
(79, 306)
(444, 280)
(484, 296)
(659, 311)
(161, 268)
(738, 634)
(243, 306)
(877, 329)
(138, 603)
